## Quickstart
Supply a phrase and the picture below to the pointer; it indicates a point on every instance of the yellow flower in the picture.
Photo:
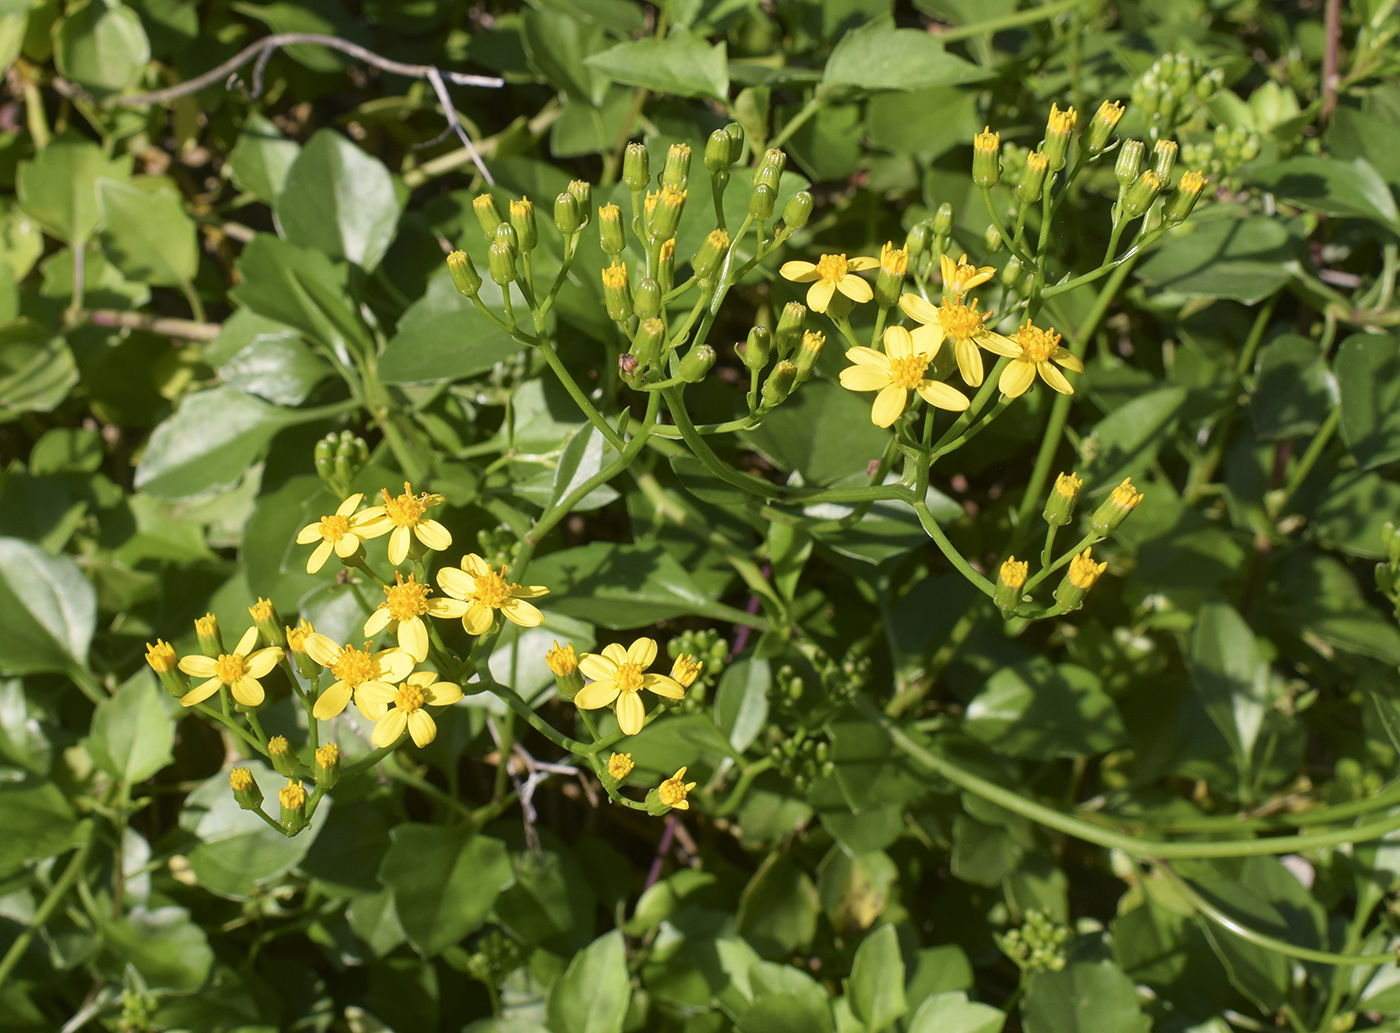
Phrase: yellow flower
(620, 765)
(1034, 348)
(354, 671)
(961, 277)
(393, 710)
(1013, 572)
(160, 656)
(832, 273)
(404, 608)
(561, 659)
(292, 796)
(296, 637)
(685, 670)
(672, 792)
(896, 372)
(961, 324)
(1083, 571)
(401, 517)
(340, 532)
(239, 670)
(617, 674)
(485, 591)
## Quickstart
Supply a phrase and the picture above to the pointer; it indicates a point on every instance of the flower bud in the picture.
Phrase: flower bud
(563, 663)
(797, 211)
(1139, 197)
(779, 384)
(736, 141)
(1057, 132)
(327, 765)
(676, 172)
(279, 751)
(917, 242)
(665, 212)
(761, 202)
(636, 170)
(697, 364)
(1080, 577)
(991, 238)
(1115, 509)
(648, 344)
(710, 256)
(507, 237)
(943, 220)
(1101, 127)
(646, 298)
(292, 797)
(161, 658)
(1011, 579)
(654, 805)
(245, 789)
(1059, 507)
(583, 194)
(464, 275)
(522, 220)
(502, 262)
(770, 171)
(807, 355)
(1033, 182)
(894, 262)
(717, 149)
(666, 265)
(1129, 162)
(1164, 159)
(1188, 192)
(986, 158)
(616, 295)
(206, 629)
(296, 642)
(619, 767)
(610, 229)
(685, 670)
(268, 623)
(789, 330)
(487, 214)
(758, 347)
(568, 217)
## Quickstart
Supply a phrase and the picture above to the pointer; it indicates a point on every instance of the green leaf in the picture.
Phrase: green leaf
(443, 336)
(1224, 254)
(557, 45)
(877, 56)
(952, 1012)
(339, 200)
(102, 47)
(264, 358)
(1332, 186)
(778, 909)
(36, 370)
(592, 994)
(679, 63)
(445, 881)
(741, 704)
(1314, 596)
(823, 432)
(1230, 676)
(619, 586)
(133, 732)
(1127, 440)
(1083, 997)
(302, 288)
(855, 888)
(1368, 377)
(146, 232)
(1294, 391)
(875, 990)
(50, 610)
(169, 950)
(786, 1013)
(22, 738)
(58, 188)
(261, 157)
(583, 457)
(37, 819)
(1036, 709)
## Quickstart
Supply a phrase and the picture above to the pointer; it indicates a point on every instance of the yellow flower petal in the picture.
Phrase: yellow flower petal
(864, 378)
(997, 343)
(440, 607)
(1068, 360)
(969, 361)
(1054, 378)
(819, 295)
(388, 728)
(322, 649)
(413, 638)
(434, 535)
(348, 545)
(1016, 378)
(798, 272)
(444, 694)
(261, 663)
(596, 667)
(422, 727)
(863, 356)
(889, 403)
(898, 343)
(597, 694)
(200, 692)
(478, 619)
(456, 583)
(475, 565)
(642, 652)
(942, 396)
(631, 713)
(394, 664)
(198, 666)
(378, 621)
(663, 686)
(855, 288)
(375, 692)
(615, 653)
(518, 611)
(248, 691)
(919, 309)
(310, 533)
(332, 702)
(861, 263)
(398, 544)
(318, 557)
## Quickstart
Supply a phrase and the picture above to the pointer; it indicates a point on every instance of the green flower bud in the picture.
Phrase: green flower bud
(986, 158)
(292, 797)
(918, 240)
(807, 355)
(616, 295)
(797, 211)
(736, 141)
(646, 298)
(697, 364)
(1115, 509)
(464, 275)
(666, 265)
(649, 343)
(676, 172)
(1139, 197)
(717, 148)
(328, 765)
(268, 623)
(663, 209)
(1188, 192)
(1129, 162)
(1059, 507)
(1033, 182)
(1080, 577)
(563, 663)
(1164, 159)
(502, 263)
(758, 348)
(761, 203)
(583, 194)
(1011, 580)
(522, 220)
(1101, 127)
(779, 384)
(710, 256)
(487, 214)
(991, 238)
(1057, 133)
(636, 170)
(770, 171)
(568, 218)
(279, 751)
(894, 262)
(206, 630)
(943, 220)
(789, 330)
(245, 789)
(610, 229)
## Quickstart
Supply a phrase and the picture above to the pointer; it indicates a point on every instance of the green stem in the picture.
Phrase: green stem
(1029, 16)
(753, 485)
(797, 121)
(946, 547)
(1006, 238)
(1305, 465)
(580, 399)
(71, 874)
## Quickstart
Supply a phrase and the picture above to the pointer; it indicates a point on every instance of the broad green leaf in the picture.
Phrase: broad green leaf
(339, 200)
(50, 610)
(300, 287)
(855, 888)
(592, 995)
(58, 187)
(823, 432)
(1294, 391)
(22, 738)
(36, 370)
(133, 732)
(1224, 254)
(1368, 377)
(741, 704)
(261, 157)
(583, 457)
(877, 56)
(680, 64)
(557, 45)
(786, 1013)
(1352, 133)
(445, 881)
(38, 821)
(952, 1012)
(443, 336)
(1127, 440)
(983, 855)
(875, 990)
(1353, 511)
(146, 232)
(101, 46)
(325, 17)
(1333, 187)
(169, 949)
(1035, 709)
(779, 908)
(21, 240)
(1083, 997)
(618, 585)
(1229, 676)
(261, 357)
(1313, 596)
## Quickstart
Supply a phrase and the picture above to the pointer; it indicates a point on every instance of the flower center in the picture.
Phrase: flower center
(492, 589)
(831, 267)
(671, 792)
(353, 666)
(405, 510)
(334, 527)
(230, 667)
(1037, 345)
(961, 321)
(407, 599)
(409, 698)
(908, 372)
(628, 678)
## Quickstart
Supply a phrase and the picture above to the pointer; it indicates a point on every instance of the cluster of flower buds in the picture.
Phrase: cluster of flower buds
(1223, 154)
(1139, 187)
(338, 458)
(796, 352)
(1038, 946)
(1171, 89)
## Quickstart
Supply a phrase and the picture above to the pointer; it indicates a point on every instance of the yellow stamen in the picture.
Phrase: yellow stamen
(628, 678)
(230, 667)
(908, 372)
(1036, 344)
(335, 527)
(407, 599)
(409, 698)
(831, 267)
(961, 321)
(353, 666)
(404, 510)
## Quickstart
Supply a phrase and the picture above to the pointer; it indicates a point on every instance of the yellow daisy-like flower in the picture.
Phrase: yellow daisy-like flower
(961, 324)
(401, 518)
(832, 273)
(392, 710)
(485, 591)
(673, 791)
(620, 765)
(354, 670)
(1036, 349)
(618, 675)
(960, 277)
(685, 670)
(895, 372)
(340, 532)
(239, 670)
(403, 610)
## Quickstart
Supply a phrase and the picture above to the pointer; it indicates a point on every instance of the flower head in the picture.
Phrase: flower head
(897, 371)
(401, 518)
(486, 591)
(160, 656)
(1011, 579)
(1083, 571)
(673, 791)
(339, 533)
(961, 277)
(296, 637)
(292, 795)
(354, 671)
(403, 609)
(618, 675)
(239, 670)
(1114, 510)
(961, 324)
(562, 660)
(394, 709)
(620, 765)
(831, 273)
(685, 670)
(1034, 351)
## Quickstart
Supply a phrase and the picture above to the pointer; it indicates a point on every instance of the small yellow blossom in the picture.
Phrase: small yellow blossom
(831, 273)
(685, 670)
(1061, 122)
(394, 709)
(897, 371)
(673, 791)
(1067, 485)
(328, 756)
(620, 765)
(160, 656)
(615, 276)
(961, 277)
(354, 670)
(894, 261)
(1013, 572)
(485, 592)
(1083, 571)
(240, 780)
(961, 324)
(339, 533)
(261, 610)
(401, 518)
(562, 660)
(1126, 497)
(292, 796)
(618, 675)
(239, 670)
(296, 637)
(1034, 350)
(403, 610)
